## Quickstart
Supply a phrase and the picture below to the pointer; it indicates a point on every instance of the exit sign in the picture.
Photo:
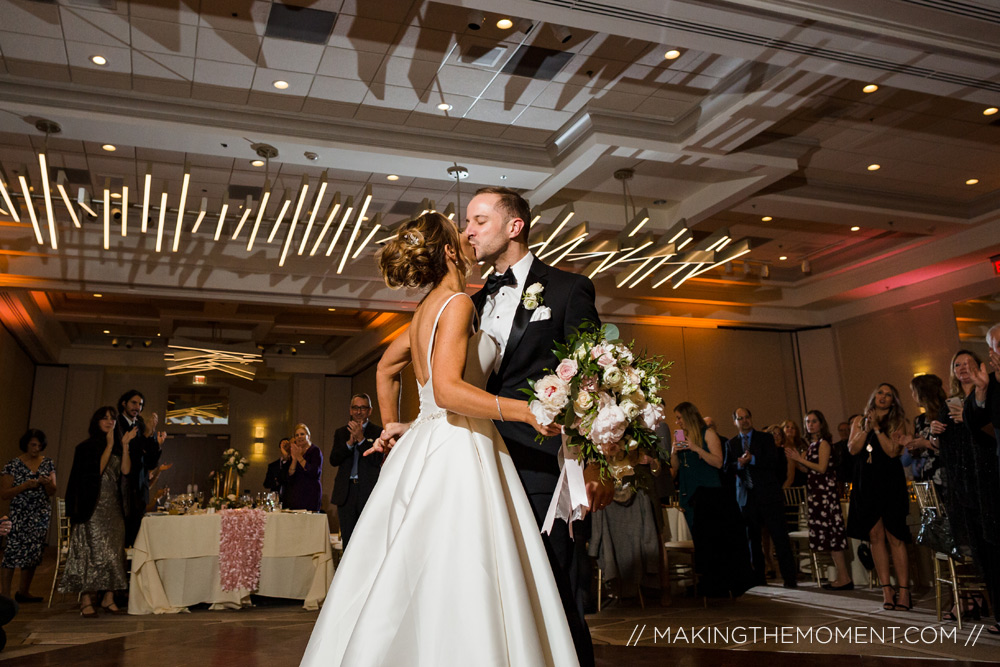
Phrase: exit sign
(995, 260)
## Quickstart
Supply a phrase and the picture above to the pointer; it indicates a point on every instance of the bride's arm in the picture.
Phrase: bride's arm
(392, 363)
(451, 392)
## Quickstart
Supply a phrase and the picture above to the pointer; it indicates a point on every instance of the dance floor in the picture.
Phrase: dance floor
(835, 629)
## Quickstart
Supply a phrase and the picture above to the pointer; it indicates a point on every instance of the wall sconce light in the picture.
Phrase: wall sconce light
(258, 432)
(258, 449)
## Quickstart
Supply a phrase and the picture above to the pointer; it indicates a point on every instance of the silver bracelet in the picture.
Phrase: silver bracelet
(498, 407)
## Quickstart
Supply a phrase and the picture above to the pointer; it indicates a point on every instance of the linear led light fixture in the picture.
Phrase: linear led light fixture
(715, 241)
(315, 209)
(202, 212)
(7, 200)
(684, 243)
(124, 210)
(651, 270)
(83, 199)
(285, 203)
(222, 215)
(693, 272)
(577, 233)
(641, 218)
(147, 182)
(26, 190)
(247, 210)
(303, 191)
(644, 243)
(162, 220)
(180, 209)
(348, 208)
(741, 248)
(673, 273)
(357, 227)
(602, 264)
(488, 272)
(334, 207)
(677, 231)
(377, 225)
(107, 214)
(260, 215)
(61, 183)
(563, 217)
(47, 193)
(449, 211)
(573, 244)
(627, 275)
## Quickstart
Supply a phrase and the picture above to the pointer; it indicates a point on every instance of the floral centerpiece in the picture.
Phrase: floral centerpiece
(227, 483)
(606, 398)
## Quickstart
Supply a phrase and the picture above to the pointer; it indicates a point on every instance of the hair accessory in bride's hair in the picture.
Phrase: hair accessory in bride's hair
(412, 238)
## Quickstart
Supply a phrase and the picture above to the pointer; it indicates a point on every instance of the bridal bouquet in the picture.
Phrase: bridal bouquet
(605, 396)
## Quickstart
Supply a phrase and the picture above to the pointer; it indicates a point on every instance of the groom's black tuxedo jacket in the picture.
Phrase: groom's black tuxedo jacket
(529, 354)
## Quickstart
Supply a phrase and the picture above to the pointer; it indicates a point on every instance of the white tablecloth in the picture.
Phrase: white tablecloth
(175, 563)
(677, 527)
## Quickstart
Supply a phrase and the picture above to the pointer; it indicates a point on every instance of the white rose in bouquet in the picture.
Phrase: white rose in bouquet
(583, 403)
(624, 354)
(652, 416)
(630, 409)
(613, 378)
(552, 392)
(609, 425)
(543, 415)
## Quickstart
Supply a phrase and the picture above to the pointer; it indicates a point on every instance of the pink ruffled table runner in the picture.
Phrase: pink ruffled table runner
(241, 546)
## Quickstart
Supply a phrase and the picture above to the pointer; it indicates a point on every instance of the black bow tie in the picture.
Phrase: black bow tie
(498, 280)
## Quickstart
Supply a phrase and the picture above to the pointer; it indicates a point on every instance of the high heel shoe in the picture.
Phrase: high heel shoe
(888, 606)
(116, 610)
(909, 599)
(88, 614)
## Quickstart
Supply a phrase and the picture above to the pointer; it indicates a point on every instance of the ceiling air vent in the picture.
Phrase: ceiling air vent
(536, 62)
(300, 24)
(240, 192)
(481, 55)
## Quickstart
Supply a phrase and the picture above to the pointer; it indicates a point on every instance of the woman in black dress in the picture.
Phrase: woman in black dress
(880, 502)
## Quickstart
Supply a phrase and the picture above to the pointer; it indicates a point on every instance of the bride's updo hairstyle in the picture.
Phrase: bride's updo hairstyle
(416, 257)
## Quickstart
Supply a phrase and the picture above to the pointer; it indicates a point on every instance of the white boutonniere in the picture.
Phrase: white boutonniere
(532, 297)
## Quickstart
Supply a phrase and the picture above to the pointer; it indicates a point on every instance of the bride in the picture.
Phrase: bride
(446, 565)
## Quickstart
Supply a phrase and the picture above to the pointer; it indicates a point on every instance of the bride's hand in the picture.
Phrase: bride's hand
(387, 440)
(547, 430)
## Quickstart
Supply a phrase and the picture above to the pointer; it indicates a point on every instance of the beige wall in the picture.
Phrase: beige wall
(17, 372)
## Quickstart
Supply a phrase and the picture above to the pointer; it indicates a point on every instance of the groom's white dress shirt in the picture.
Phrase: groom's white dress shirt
(499, 308)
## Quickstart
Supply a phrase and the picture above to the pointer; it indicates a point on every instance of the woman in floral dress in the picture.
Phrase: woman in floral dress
(28, 482)
(826, 523)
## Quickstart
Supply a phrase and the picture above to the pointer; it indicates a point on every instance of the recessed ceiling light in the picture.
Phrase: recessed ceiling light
(258, 163)
(99, 60)
(302, 342)
(280, 85)
(503, 177)
(392, 177)
(874, 167)
(444, 106)
(364, 219)
(107, 331)
(331, 309)
(109, 148)
(672, 54)
(766, 218)
(990, 111)
(783, 258)
(870, 88)
(972, 181)
(158, 335)
(505, 24)
(115, 195)
(855, 228)
(98, 296)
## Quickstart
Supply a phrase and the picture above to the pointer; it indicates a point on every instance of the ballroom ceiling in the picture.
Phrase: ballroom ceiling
(760, 128)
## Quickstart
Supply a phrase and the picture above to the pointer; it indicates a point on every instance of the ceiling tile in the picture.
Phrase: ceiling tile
(422, 43)
(663, 108)
(283, 54)
(119, 58)
(96, 27)
(298, 83)
(23, 46)
(617, 101)
(468, 81)
(566, 97)
(594, 72)
(32, 18)
(387, 10)
(492, 111)
(162, 37)
(414, 74)
(338, 90)
(229, 47)
(514, 89)
(218, 15)
(350, 64)
(163, 66)
(459, 103)
(527, 135)
(223, 74)
(171, 11)
(543, 119)
(362, 34)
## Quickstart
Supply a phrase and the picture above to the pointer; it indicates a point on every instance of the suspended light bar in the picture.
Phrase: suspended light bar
(348, 208)
(315, 209)
(61, 187)
(124, 209)
(222, 215)
(83, 199)
(627, 275)
(202, 212)
(247, 208)
(163, 217)
(47, 193)
(576, 235)
(573, 244)
(375, 228)
(303, 191)
(693, 272)
(107, 214)
(738, 250)
(7, 200)
(637, 222)
(180, 209)
(563, 217)
(357, 227)
(334, 207)
(656, 265)
(449, 212)
(672, 274)
(285, 203)
(147, 181)
(260, 215)
(26, 189)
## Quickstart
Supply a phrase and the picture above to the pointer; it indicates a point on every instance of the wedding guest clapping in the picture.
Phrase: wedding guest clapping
(305, 488)
(356, 472)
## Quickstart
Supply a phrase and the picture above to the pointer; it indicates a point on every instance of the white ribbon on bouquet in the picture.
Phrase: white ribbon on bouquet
(569, 501)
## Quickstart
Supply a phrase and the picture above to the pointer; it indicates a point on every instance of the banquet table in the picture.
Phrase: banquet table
(175, 563)
(676, 524)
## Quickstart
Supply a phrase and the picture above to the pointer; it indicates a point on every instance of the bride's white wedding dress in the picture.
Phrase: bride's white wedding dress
(446, 565)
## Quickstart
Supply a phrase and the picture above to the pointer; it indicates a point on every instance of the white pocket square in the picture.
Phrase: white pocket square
(541, 313)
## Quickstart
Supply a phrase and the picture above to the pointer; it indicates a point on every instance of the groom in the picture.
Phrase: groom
(528, 306)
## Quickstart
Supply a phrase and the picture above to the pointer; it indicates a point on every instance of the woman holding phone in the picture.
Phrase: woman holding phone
(722, 557)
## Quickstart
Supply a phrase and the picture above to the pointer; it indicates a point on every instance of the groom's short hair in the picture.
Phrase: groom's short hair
(511, 204)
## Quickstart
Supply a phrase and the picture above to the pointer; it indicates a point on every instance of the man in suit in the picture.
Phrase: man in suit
(750, 456)
(144, 450)
(277, 470)
(527, 329)
(356, 473)
(982, 407)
